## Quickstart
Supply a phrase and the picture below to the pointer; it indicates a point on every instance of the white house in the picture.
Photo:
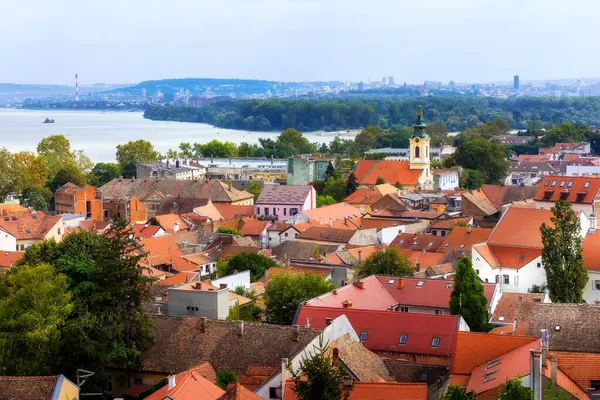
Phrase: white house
(8, 242)
(445, 179)
(512, 256)
(591, 261)
(234, 281)
(281, 232)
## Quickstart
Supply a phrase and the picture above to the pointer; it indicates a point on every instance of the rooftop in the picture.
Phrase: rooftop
(367, 172)
(28, 225)
(229, 211)
(192, 384)
(337, 212)
(520, 227)
(169, 221)
(507, 308)
(327, 234)
(575, 189)
(413, 241)
(27, 387)
(462, 238)
(370, 195)
(284, 194)
(501, 195)
(591, 251)
(8, 258)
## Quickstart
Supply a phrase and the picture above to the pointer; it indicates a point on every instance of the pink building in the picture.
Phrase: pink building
(284, 201)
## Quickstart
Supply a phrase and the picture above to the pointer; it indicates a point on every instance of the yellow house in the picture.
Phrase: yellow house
(364, 198)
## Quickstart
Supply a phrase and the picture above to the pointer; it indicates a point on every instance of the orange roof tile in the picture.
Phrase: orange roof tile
(376, 390)
(168, 221)
(473, 349)
(8, 258)
(253, 227)
(506, 309)
(198, 259)
(520, 227)
(327, 234)
(425, 259)
(189, 385)
(162, 250)
(145, 230)
(578, 189)
(581, 367)
(93, 225)
(230, 211)
(591, 251)
(235, 391)
(367, 172)
(463, 238)
(28, 225)
(179, 278)
(364, 196)
(449, 223)
(13, 208)
(335, 212)
(256, 375)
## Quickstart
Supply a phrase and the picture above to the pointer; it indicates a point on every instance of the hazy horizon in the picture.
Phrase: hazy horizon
(297, 40)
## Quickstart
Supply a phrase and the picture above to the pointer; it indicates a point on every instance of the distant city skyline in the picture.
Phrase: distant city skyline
(113, 41)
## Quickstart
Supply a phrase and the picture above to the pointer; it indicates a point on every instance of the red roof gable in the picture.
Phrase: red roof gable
(463, 238)
(575, 189)
(8, 258)
(193, 384)
(591, 251)
(520, 227)
(413, 241)
(229, 211)
(383, 329)
(367, 172)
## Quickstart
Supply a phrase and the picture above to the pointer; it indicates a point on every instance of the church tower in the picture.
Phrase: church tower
(419, 151)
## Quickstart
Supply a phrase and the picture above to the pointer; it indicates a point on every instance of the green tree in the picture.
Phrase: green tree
(254, 188)
(562, 255)
(295, 139)
(246, 149)
(471, 179)
(106, 172)
(256, 263)
(7, 180)
(134, 152)
(34, 305)
(489, 158)
(36, 198)
(467, 298)
(172, 154)
(367, 138)
(224, 377)
(29, 171)
(513, 389)
(186, 150)
(392, 262)
(56, 150)
(69, 173)
(285, 292)
(457, 393)
(229, 231)
(325, 201)
(379, 181)
(566, 132)
(351, 184)
(438, 134)
(335, 187)
(330, 171)
(318, 378)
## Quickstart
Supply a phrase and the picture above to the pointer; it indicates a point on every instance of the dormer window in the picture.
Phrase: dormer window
(564, 195)
(580, 197)
(553, 183)
(403, 339)
(562, 183)
(546, 183)
(548, 194)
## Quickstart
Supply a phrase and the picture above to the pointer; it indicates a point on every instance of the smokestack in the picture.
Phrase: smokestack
(360, 256)
(76, 87)
(172, 381)
(331, 222)
(400, 283)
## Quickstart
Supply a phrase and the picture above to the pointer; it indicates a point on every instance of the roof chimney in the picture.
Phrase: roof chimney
(241, 328)
(554, 369)
(327, 321)
(514, 326)
(229, 186)
(358, 284)
(360, 256)
(469, 228)
(400, 283)
(203, 324)
(176, 227)
(347, 303)
(593, 223)
(198, 286)
(172, 382)
(331, 222)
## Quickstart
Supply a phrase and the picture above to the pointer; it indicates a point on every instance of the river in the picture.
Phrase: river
(98, 133)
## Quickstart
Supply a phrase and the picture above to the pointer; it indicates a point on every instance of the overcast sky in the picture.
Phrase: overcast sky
(125, 41)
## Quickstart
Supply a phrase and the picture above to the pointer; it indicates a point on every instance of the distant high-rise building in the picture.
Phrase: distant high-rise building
(452, 85)
(383, 81)
(391, 81)
(144, 92)
(361, 85)
(516, 82)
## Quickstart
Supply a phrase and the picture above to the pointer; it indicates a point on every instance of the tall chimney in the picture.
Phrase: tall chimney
(360, 256)
(172, 381)
(593, 220)
(400, 283)
(241, 328)
(535, 374)
(331, 222)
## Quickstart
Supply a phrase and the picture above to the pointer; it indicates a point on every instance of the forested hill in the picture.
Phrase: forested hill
(456, 113)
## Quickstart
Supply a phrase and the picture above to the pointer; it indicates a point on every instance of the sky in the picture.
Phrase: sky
(128, 41)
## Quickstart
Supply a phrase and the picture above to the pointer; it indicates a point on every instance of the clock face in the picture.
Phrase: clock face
(417, 140)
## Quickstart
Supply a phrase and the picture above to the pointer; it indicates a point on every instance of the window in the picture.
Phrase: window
(548, 194)
(59, 231)
(437, 312)
(109, 388)
(273, 393)
(564, 195)
(138, 381)
(258, 210)
(586, 184)
(363, 336)
(539, 265)
(293, 211)
(506, 279)
(443, 233)
(403, 339)
(570, 184)
(266, 210)
(595, 384)
(497, 278)
(284, 211)
(580, 197)
(596, 285)
(553, 183)
(516, 281)
(522, 257)
(435, 342)
(562, 183)
(546, 183)
(285, 234)
(22, 247)
(403, 309)
(417, 152)
(17, 248)
(477, 271)
(420, 284)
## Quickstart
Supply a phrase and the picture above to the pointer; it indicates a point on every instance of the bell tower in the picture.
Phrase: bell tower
(420, 149)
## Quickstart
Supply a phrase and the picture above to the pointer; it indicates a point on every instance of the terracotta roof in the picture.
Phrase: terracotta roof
(500, 195)
(226, 251)
(562, 146)
(384, 328)
(449, 223)
(256, 375)
(390, 201)
(591, 251)
(425, 259)
(294, 250)
(284, 194)
(28, 225)
(235, 391)
(350, 256)
(462, 238)
(327, 234)
(173, 189)
(576, 189)
(507, 256)
(254, 227)
(198, 258)
(12, 208)
(413, 241)
(280, 226)
(520, 227)
(68, 189)
(404, 371)
(511, 364)
(161, 250)
(93, 225)
(581, 367)
(422, 214)
(472, 349)
(145, 230)
(27, 387)
(367, 172)
(370, 195)
(168, 221)
(507, 308)
(179, 278)
(578, 325)
(365, 365)
(189, 385)
(229, 211)
(379, 391)
(337, 211)
(182, 342)
(534, 157)
(379, 224)
(8, 258)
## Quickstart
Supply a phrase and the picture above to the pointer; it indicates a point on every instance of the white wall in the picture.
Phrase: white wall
(590, 293)
(387, 235)
(586, 210)
(234, 280)
(7, 241)
(448, 181)
(364, 237)
(577, 170)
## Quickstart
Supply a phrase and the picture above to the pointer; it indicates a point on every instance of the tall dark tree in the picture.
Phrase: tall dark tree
(351, 184)
(467, 298)
(562, 255)
(330, 171)
(318, 378)
(489, 158)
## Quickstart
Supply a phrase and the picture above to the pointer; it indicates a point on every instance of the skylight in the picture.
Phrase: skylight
(391, 281)
(493, 363)
(586, 184)
(363, 336)
(403, 339)
(420, 284)
(570, 184)
(553, 183)
(547, 183)
(562, 183)
(435, 342)
(447, 244)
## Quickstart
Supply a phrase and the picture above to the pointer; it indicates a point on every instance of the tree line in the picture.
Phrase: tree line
(456, 113)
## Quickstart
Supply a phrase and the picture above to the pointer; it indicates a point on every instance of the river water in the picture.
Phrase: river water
(98, 133)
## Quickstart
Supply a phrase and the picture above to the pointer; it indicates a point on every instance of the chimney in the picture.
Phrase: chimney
(468, 229)
(360, 256)
(347, 304)
(296, 336)
(203, 324)
(222, 286)
(229, 186)
(177, 164)
(331, 222)
(327, 321)
(514, 326)
(241, 328)
(554, 369)
(535, 374)
(172, 382)
(176, 227)
(592, 223)
(358, 284)
(544, 339)
(335, 355)
(400, 283)
(417, 266)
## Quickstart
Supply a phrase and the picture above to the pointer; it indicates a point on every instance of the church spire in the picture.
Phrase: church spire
(419, 126)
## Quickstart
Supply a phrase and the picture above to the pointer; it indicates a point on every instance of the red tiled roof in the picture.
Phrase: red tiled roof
(254, 227)
(334, 212)
(369, 223)
(93, 225)
(178, 278)
(256, 375)
(579, 189)
(581, 367)
(509, 302)
(28, 225)
(364, 196)
(520, 227)
(162, 250)
(376, 390)
(145, 231)
(561, 146)
(425, 259)
(189, 385)
(230, 211)
(327, 234)
(367, 172)
(463, 238)
(535, 157)
(512, 364)
(449, 223)
(384, 328)
(472, 349)
(8, 258)
(235, 391)
(422, 214)
(591, 251)
(168, 221)
(413, 241)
